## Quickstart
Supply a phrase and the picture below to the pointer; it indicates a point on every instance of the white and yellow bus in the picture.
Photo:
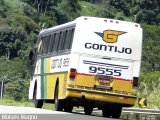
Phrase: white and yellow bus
(89, 62)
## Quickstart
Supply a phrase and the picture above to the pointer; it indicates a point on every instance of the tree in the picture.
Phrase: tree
(107, 10)
(67, 10)
(151, 49)
(9, 43)
(42, 6)
(3, 9)
(149, 11)
(16, 78)
(122, 5)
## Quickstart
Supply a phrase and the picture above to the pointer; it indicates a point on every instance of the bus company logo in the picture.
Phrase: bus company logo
(110, 36)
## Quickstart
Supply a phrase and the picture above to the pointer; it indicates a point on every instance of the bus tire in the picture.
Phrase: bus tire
(88, 110)
(106, 112)
(37, 103)
(116, 113)
(68, 106)
(58, 103)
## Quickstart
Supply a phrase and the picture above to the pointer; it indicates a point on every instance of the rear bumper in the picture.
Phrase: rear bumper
(100, 96)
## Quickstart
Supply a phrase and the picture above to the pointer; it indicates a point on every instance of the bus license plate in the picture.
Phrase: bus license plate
(104, 81)
(102, 87)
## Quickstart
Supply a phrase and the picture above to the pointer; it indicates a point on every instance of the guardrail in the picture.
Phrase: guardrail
(133, 113)
(142, 111)
(140, 114)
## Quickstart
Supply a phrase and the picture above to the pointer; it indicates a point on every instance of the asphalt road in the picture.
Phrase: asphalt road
(28, 113)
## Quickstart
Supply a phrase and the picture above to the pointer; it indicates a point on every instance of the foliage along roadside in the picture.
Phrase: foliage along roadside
(21, 21)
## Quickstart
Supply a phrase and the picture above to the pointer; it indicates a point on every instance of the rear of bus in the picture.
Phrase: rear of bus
(105, 62)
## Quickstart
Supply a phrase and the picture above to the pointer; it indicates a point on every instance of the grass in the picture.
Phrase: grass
(149, 88)
(10, 102)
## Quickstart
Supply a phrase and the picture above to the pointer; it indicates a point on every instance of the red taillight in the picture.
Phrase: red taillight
(135, 81)
(73, 73)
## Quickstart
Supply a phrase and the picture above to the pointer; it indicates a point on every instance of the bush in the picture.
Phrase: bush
(16, 78)
(149, 87)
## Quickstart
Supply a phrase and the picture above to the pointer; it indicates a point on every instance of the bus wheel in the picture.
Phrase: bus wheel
(68, 108)
(116, 113)
(58, 103)
(88, 110)
(106, 112)
(38, 103)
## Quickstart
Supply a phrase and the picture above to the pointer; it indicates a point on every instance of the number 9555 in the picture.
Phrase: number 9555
(104, 71)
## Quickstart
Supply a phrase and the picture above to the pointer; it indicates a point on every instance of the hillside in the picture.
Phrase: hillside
(21, 21)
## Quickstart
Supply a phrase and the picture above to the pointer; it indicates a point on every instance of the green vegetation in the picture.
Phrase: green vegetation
(21, 21)
(11, 102)
(149, 88)
(89, 9)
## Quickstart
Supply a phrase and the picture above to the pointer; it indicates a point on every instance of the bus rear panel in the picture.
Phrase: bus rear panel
(106, 59)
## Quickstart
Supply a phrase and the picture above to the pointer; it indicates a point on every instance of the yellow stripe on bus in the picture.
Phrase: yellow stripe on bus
(49, 80)
(50, 83)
